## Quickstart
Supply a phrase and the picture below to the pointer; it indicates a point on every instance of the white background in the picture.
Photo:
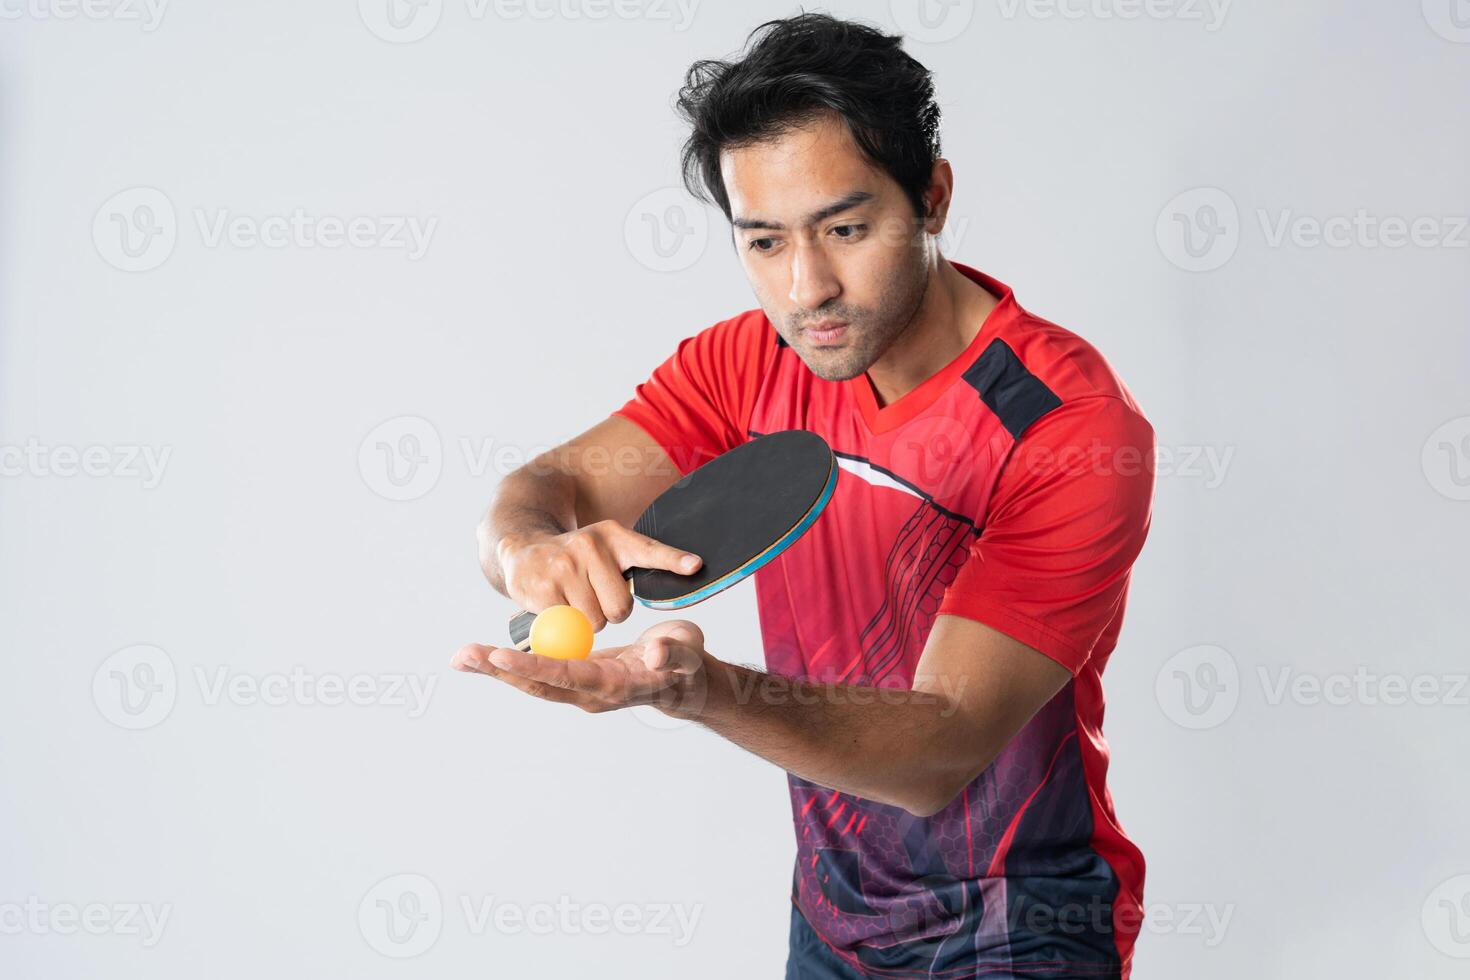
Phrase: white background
(1330, 540)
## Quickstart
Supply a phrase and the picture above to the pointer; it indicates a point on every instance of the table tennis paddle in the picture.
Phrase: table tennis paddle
(737, 512)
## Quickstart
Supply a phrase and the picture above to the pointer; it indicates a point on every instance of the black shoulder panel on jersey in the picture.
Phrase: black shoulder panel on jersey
(1013, 393)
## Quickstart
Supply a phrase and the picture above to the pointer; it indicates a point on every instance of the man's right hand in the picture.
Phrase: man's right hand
(584, 568)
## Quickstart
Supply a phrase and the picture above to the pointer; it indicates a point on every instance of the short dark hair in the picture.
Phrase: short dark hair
(797, 69)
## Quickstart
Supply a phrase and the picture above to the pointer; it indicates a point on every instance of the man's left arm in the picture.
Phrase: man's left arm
(974, 689)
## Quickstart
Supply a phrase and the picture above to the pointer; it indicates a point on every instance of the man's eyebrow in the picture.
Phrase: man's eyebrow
(836, 207)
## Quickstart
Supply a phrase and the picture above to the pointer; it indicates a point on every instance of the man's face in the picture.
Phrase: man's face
(827, 241)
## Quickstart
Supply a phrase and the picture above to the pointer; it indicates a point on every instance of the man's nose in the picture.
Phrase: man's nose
(812, 279)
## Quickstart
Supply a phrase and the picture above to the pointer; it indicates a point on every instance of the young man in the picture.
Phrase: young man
(935, 642)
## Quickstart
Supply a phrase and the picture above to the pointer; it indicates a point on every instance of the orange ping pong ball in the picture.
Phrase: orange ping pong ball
(562, 633)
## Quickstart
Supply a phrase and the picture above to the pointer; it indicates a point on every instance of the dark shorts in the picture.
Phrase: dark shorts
(810, 958)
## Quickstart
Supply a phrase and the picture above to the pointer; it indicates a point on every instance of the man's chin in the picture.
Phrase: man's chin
(833, 365)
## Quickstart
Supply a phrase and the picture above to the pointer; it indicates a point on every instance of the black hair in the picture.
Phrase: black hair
(800, 68)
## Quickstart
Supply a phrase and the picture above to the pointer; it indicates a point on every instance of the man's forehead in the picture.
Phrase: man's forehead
(787, 178)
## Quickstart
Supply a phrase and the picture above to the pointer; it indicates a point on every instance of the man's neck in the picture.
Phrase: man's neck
(953, 309)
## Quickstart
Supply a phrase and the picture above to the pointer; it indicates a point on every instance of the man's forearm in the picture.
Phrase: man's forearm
(902, 747)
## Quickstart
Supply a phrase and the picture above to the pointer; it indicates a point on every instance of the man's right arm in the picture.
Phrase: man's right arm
(558, 529)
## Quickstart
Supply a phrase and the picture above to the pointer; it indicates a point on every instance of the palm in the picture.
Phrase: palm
(664, 666)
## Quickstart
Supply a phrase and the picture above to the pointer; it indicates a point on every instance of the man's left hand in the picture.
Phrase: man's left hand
(663, 667)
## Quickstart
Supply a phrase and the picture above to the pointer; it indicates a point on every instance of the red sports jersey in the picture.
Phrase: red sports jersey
(1012, 487)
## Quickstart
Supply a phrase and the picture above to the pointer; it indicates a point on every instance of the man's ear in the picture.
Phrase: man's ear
(937, 196)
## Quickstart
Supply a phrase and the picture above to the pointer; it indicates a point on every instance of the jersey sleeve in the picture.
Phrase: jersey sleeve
(1069, 515)
(697, 404)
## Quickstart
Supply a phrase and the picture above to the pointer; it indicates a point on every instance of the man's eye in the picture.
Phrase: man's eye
(848, 231)
(761, 244)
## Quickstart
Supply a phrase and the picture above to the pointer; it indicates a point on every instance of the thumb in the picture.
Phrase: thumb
(640, 551)
(668, 655)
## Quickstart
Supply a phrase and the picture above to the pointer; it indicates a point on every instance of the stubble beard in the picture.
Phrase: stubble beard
(870, 332)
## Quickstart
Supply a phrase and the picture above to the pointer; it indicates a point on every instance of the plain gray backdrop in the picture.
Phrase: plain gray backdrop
(287, 287)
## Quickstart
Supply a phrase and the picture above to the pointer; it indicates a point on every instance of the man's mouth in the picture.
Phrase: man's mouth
(827, 333)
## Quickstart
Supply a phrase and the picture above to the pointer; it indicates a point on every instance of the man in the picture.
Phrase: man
(935, 642)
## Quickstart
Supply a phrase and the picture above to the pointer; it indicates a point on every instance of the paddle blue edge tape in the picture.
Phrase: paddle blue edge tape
(750, 568)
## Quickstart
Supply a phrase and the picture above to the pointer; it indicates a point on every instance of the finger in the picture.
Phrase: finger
(613, 594)
(566, 675)
(580, 594)
(546, 595)
(474, 658)
(640, 551)
(678, 629)
(669, 656)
